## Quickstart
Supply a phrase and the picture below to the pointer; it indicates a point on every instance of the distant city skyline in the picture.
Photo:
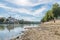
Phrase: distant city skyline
(30, 10)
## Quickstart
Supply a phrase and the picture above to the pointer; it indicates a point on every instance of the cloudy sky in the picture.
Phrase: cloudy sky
(31, 10)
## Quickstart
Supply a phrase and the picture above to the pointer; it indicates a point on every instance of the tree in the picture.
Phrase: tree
(54, 13)
(7, 19)
(55, 9)
(1, 19)
(48, 16)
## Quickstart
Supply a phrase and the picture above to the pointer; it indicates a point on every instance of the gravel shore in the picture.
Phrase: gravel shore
(44, 32)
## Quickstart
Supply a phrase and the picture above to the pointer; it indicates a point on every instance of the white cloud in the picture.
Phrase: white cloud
(4, 6)
(29, 2)
(1, 5)
(26, 18)
(30, 19)
(20, 2)
(39, 11)
(24, 10)
(21, 10)
(34, 13)
(1, 16)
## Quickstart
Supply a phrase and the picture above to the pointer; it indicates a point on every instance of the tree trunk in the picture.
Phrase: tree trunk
(54, 20)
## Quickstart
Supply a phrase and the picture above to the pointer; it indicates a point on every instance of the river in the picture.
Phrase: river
(8, 31)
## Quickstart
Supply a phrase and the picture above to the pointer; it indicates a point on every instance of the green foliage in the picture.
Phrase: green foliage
(7, 19)
(48, 16)
(53, 13)
(55, 9)
(1, 27)
(1, 19)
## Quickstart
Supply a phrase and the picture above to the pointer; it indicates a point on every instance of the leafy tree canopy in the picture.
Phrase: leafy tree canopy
(53, 13)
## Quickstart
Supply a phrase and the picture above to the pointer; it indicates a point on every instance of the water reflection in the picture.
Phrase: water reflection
(1, 27)
(11, 30)
(10, 27)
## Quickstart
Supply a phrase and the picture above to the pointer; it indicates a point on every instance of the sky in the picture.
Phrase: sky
(30, 10)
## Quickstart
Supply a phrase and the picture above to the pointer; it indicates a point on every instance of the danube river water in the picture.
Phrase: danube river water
(8, 31)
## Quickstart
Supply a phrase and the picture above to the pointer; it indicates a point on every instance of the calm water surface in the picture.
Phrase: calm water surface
(10, 30)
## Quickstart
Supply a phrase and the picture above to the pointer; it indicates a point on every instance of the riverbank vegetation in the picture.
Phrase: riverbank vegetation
(52, 14)
(11, 20)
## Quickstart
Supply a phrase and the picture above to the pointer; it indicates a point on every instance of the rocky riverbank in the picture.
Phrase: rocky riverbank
(46, 31)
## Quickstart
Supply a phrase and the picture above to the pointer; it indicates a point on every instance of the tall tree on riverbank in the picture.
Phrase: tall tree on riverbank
(55, 10)
(54, 13)
(48, 16)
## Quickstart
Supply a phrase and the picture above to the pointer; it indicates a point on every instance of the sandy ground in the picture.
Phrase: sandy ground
(46, 31)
